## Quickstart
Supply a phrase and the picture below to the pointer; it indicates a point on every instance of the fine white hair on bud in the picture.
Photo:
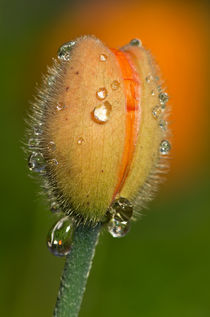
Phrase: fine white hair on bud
(98, 132)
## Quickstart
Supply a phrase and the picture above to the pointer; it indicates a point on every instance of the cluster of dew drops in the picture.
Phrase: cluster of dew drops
(60, 236)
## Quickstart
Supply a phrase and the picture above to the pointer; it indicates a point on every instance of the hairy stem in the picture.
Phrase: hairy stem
(76, 271)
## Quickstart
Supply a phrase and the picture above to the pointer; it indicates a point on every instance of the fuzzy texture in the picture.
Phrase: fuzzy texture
(76, 271)
(82, 167)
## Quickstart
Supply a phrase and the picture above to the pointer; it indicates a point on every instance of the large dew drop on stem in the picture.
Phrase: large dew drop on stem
(118, 229)
(60, 236)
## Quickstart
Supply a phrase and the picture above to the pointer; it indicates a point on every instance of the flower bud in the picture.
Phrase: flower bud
(99, 130)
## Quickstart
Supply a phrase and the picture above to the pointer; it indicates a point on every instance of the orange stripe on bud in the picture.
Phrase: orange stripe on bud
(133, 113)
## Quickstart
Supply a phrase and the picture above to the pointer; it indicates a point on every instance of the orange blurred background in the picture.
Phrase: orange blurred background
(176, 33)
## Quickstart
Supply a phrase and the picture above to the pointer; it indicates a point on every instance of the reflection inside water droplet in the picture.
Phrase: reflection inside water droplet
(121, 209)
(103, 57)
(115, 84)
(101, 93)
(165, 147)
(59, 239)
(64, 52)
(118, 229)
(101, 113)
(36, 162)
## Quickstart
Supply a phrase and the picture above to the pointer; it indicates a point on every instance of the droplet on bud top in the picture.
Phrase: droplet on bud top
(165, 147)
(121, 209)
(65, 51)
(135, 42)
(59, 239)
(101, 93)
(36, 162)
(118, 229)
(101, 113)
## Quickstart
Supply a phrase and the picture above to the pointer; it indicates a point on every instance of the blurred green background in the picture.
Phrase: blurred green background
(161, 268)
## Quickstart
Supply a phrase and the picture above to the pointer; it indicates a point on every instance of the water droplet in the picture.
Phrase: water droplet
(118, 229)
(152, 92)
(103, 57)
(51, 146)
(51, 80)
(101, 113)
(115, 85)
(156, 111)
(121, 209)
(38, 130)
(55, 207)
(64, 52)
(59, 239)
(135, 42)
(53, 162)
(60, 106)
(33, 143)
(80, 141)
(148, 78)
(159, 88)
(36, 162)
(101, 93)
(163, 124)
(165, 147)
(163, 96)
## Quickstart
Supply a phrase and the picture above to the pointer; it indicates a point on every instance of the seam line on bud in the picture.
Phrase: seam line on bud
(132, 90)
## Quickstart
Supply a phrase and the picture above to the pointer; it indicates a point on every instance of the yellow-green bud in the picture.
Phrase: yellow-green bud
(99, 131)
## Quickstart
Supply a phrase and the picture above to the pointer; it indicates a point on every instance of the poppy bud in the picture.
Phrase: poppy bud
(98, 134)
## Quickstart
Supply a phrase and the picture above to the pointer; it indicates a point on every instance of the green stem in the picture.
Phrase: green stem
(76, 271)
